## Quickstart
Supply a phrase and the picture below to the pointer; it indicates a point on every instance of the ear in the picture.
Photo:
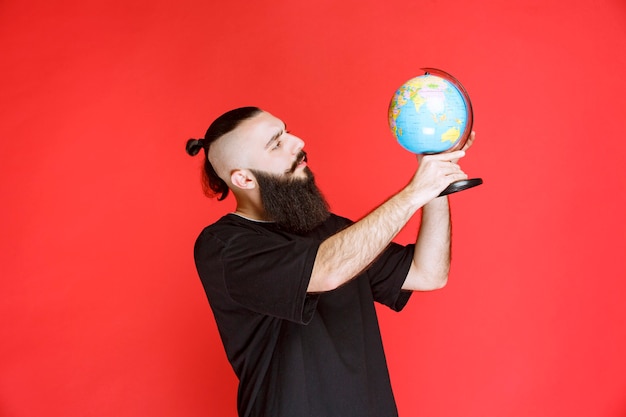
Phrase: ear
(243, 179)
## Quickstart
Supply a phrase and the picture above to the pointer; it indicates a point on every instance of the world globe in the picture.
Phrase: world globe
(431, 113)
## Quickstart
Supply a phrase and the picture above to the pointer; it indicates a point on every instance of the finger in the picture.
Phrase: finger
(470, 141)
(452, 156)
(457, 177)
(443, 168)
(445, 156)
(450, 169)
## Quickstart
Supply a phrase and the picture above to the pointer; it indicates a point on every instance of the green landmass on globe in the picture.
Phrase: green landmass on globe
(430, 114)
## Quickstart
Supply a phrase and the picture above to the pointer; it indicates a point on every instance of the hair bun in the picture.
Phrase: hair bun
(194, 145)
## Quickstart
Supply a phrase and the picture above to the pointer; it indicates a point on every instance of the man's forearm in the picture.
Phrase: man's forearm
(431, 259)
(347, 253)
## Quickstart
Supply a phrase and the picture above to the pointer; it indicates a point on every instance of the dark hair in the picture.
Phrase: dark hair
(212, 184)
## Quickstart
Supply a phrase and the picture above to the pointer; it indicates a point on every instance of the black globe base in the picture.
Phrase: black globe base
(461, 185)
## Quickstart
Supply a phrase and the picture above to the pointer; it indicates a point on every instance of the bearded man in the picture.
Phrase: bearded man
(292, 286)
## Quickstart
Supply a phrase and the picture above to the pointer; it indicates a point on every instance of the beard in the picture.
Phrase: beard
(296, 205)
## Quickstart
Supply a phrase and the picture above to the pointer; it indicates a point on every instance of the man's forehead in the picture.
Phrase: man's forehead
(261, 125)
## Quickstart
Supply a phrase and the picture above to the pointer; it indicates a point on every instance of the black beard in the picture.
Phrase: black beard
(296, 205)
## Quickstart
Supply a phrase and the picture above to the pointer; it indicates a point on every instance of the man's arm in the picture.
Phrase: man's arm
(431, 259)
(344, 255)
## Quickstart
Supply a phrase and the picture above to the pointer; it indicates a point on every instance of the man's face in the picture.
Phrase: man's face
(271, 148)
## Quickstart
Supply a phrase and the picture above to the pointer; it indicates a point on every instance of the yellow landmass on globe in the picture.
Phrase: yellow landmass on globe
(408, 92)
(417, 100)
(400, 101)
(451, 135)
(413, 87)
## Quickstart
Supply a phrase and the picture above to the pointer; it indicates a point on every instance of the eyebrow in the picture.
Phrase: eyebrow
(275, 137)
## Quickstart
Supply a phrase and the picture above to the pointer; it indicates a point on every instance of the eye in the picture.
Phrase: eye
(277, 144)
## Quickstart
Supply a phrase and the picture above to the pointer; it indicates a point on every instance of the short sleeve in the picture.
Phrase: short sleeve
(267, 273)
(388, 273)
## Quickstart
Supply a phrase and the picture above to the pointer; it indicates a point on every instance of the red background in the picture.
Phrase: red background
(101, 311)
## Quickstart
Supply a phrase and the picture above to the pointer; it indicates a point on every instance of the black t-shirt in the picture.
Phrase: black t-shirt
(299, 354)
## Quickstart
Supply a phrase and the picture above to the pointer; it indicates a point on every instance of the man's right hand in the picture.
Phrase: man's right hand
(435, 173)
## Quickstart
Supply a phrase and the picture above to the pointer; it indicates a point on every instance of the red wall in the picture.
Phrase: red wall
(101, 310)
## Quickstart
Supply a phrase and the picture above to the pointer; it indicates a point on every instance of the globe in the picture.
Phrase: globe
(431, 113)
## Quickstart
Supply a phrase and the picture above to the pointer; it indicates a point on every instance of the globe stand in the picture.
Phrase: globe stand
(461, 185)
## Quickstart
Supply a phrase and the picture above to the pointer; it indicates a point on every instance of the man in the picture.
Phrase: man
(292, 286)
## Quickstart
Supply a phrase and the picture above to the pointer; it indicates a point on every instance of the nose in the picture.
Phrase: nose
(297, 145)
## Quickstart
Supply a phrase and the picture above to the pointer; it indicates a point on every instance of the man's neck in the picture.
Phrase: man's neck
(252, 219)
